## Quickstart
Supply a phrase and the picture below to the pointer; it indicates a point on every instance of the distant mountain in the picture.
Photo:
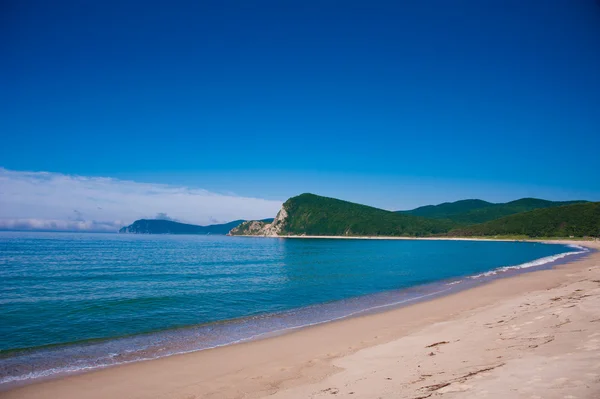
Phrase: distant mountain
(578, 220)
(310, 214)
(473, 211)
(158, 226)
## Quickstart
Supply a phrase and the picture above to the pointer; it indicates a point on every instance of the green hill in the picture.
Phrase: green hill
(578, 220)
(310, 214)
(467, 212)
(158, 226)
(448, 209)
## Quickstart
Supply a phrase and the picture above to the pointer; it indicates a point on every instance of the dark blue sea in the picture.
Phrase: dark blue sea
(75, 302)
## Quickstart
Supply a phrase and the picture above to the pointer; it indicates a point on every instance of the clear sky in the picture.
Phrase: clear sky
(394, 104)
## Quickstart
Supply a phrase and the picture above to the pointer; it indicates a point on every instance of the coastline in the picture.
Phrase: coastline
(548, 240)
(298, 358)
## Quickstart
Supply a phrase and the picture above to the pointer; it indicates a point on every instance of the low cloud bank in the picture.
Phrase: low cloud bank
(58, 225)
(59, 202)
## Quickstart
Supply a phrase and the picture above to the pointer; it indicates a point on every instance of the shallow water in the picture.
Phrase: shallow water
(72, 302)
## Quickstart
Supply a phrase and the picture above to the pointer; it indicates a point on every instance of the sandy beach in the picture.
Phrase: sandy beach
(535, 335)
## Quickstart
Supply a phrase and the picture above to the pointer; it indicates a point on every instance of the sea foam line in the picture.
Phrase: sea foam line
(534, 263)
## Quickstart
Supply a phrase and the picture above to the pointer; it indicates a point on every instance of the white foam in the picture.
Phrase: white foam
(534, 263)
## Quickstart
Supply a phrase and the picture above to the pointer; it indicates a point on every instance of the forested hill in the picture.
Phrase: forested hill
(473, 211)
(448, 209)
(577, 220)
(310, 214)
(313, 215)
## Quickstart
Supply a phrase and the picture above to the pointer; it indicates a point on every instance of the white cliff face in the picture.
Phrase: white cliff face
(256, 228)
(276, 227)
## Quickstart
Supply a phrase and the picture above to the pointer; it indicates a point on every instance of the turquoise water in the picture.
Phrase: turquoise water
(72, 302)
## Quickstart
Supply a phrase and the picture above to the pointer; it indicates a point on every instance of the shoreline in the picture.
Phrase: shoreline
(288, 321)
(180, 363)
(545, 240)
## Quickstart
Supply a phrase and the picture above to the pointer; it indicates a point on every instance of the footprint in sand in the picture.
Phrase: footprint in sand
(562, 383)
(454, 388)
(593, 335)
(591, 345)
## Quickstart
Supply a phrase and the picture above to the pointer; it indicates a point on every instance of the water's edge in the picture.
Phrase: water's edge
(28, 366)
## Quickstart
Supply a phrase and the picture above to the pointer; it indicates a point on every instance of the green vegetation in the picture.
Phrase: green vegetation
(473, 211)
(315, 215)
(447, 210)
(158, 226)
(577, 220)
(310, 214)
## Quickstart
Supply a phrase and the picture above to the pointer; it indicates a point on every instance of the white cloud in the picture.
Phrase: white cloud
(58, 225)
(54, 201)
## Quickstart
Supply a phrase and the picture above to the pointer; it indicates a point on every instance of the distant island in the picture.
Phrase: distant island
(160, 226)
(313, 215)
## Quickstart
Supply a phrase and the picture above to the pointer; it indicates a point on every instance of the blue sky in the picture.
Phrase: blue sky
(394, 104)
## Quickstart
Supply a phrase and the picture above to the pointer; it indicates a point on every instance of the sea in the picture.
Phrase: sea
(73, 302)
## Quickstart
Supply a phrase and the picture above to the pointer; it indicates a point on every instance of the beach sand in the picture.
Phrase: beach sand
(535, 335)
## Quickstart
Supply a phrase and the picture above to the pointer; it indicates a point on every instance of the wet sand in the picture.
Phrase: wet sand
(534, 335)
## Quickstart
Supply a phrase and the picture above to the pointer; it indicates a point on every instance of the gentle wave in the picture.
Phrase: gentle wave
(80, 369)
(534, 263)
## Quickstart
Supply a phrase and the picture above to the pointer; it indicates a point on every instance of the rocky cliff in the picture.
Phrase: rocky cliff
(261, 228)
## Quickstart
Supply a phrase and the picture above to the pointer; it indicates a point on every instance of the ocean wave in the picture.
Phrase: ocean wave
(534, 263)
